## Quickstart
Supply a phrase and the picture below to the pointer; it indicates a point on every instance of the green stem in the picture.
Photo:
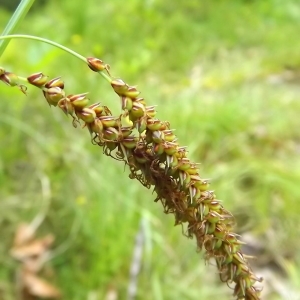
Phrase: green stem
(66, 49)
(15, 20)
(36, 38)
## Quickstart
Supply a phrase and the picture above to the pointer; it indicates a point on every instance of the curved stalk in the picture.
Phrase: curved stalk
(57, 45)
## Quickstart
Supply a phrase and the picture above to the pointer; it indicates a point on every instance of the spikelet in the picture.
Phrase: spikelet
(155, 158)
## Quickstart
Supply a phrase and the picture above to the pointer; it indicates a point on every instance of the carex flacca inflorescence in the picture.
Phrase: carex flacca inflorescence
(156, 159)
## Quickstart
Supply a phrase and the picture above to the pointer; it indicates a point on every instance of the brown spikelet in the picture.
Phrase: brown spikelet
(156, 159)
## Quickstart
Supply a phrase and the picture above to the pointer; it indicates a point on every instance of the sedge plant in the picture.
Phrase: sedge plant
(154, 156)
(150, 149)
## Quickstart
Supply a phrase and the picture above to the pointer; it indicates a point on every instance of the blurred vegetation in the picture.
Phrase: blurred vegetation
(9, 4)
(226, 75)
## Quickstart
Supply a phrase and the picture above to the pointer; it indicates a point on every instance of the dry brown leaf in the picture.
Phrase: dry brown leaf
(24, 234)
(39, 287)
(35, 264)
(33, 249)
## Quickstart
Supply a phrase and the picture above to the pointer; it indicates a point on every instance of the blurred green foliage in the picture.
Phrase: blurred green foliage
(9, 4)
(225, 74)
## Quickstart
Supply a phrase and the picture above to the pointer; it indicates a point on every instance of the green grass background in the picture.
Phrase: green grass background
(225, 74)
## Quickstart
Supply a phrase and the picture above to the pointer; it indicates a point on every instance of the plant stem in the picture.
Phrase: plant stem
(15, 20)
(66, 49)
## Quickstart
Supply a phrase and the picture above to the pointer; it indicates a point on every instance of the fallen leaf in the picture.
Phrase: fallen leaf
(33, 249)
(24, 234)
(39, 287)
